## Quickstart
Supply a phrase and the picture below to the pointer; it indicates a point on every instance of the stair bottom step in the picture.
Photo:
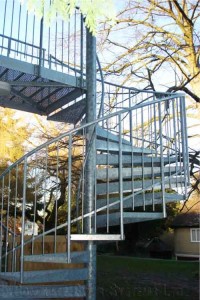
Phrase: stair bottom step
(76, 257)
(47, 276)
(38, 292)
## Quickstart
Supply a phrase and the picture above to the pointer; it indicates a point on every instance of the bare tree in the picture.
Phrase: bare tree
(157, 38)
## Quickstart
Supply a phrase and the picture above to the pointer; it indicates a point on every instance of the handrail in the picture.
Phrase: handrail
(22, 42)
(72, 131)
(36, 237)
(118, 85)
(156, 143)
(9, 230)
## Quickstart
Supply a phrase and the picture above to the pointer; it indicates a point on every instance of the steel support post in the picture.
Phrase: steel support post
(90, 167)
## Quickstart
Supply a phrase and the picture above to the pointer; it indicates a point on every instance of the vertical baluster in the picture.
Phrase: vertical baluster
(15, 224)
(174, 121)
(33, 38)
(45, 200)
(35, 199)
(132, 158)
(171, 140)
(26, 31)
(75, 17)
(56, 42)
(4, 24)
(121, 180)
(142, 155)
(7, 223)
(68, 46)
(81, 48)
(107, 185)
(83, 179)
(23, 221)
(49, 42)
(161, 160)
(95, 190)
(56, 200)
(136, 127)
(19, 28)
(165, 131)
(184, 142)
(153, 120)
(1, 233)
(155, 126)
(11, 28)
(69, 200)
(178, 131)
(41, 58)
(62, 45)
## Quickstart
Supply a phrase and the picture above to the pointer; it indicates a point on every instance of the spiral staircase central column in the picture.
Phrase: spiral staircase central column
(91, 159)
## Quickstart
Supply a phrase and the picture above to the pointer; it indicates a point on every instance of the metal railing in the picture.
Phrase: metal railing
(28, 38)
(43, 186)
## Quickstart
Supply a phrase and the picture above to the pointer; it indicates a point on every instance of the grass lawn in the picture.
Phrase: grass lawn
(136, 278)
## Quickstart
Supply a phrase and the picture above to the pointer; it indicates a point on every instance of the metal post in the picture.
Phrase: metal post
(41, 53)
(162, 161)
(23, 222)
(69, 200)
(81, 54)
(184, 143)
(89, 226)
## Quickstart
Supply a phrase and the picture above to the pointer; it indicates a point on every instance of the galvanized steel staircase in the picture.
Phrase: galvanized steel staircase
(128, 189)
(141, 163)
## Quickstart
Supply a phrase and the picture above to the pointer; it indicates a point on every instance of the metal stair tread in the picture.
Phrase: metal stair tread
(138, 184)
(113, 173)
(139, 200)
(74, 94)
(61, 275)
(109, 146)
(128, 217)
(104, 134)
(42, 291)
(76, 257)
(39, 104)
(136, 160)
(96, 237)
(71, 114)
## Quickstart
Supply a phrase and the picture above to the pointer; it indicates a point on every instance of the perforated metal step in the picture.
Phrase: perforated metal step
(40, 94)
(71, 114)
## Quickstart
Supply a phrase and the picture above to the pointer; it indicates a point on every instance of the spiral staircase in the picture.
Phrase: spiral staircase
(123, 166)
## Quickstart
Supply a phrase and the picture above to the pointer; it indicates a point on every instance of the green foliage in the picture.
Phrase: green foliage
(14, 135)
(92, 10)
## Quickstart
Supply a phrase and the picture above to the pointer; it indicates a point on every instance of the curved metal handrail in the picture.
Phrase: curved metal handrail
(84, 126)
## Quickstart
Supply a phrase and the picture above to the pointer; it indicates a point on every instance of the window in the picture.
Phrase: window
(195, 235)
